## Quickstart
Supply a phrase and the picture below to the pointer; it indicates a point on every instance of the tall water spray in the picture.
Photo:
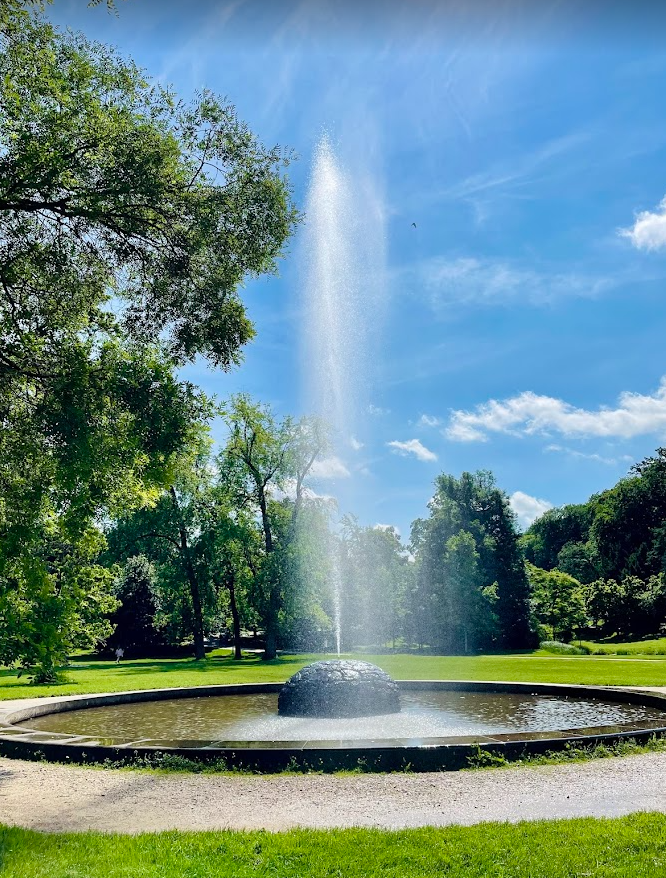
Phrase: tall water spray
(344, 241)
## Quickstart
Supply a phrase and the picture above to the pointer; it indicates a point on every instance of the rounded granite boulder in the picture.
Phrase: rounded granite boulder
(339, 688)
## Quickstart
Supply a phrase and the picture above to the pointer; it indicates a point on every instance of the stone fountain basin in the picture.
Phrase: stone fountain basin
(18, 739)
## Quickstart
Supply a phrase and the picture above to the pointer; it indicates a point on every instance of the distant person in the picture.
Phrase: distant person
(120, 652)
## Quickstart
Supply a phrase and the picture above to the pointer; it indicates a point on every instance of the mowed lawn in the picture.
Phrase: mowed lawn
(629, 847)
(97, 676)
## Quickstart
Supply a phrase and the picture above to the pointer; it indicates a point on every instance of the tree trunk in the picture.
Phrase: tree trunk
(274, 597)
(272, 623)
(195, 594)
(271, 643)
(235, 615)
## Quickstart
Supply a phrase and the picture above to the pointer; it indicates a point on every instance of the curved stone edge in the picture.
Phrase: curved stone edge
(437, 754)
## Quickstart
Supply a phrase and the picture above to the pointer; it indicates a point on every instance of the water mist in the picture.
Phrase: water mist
(344, 261)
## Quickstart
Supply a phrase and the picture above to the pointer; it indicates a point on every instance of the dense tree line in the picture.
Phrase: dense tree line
(615, 547)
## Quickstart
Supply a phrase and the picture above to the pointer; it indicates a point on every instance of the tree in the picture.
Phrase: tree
(551, 532)
(630, 606)
(264, 457)
(128, 222)
(558, 603)
(134, 621)
(478, 580)
(169, 533)
(376, 577)
(55, 601)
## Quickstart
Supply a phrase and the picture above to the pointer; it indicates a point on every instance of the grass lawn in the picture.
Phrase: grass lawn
(656, 647)
(87, 676)
(628, 847)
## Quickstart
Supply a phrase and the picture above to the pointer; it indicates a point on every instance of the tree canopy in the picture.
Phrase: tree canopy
(129, 220)
(472, 587)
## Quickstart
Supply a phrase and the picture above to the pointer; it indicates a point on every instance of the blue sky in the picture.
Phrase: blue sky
(522, 321)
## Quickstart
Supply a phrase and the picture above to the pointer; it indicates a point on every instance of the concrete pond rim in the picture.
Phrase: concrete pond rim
(431, 754)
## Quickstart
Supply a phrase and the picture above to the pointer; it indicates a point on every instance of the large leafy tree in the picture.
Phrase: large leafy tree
(558, 603)
(618, 533)
(128, 222)
(376, 578)
(134, 621)
(472, 589)
(265, 464)
(176, 533)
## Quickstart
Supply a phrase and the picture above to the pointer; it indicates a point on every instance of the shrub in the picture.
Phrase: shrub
(558, 648)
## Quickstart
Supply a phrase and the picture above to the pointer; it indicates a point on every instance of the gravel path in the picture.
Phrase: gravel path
(59, 798)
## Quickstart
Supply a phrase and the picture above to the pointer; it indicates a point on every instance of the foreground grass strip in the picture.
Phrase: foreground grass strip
(87, 677)
(628, 847)
(482, 759)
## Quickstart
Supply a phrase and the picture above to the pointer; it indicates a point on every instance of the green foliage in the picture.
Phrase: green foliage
(134, 621)
(128, 222)
(623, 847)
(555, 529)
(558, 602)
(376, 578)
(472, 591)
(630, 606)
(556, 647)
(618, 533)
(263, 459)
(54, 602)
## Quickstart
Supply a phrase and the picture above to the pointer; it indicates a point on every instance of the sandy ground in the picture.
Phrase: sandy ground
(62, 798)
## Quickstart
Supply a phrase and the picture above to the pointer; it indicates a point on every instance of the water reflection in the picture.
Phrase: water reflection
(424, 715)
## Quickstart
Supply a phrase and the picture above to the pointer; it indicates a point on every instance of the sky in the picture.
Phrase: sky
(512, 159)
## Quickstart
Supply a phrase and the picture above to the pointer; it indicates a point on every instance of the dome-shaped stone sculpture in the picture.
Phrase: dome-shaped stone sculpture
(339, 688)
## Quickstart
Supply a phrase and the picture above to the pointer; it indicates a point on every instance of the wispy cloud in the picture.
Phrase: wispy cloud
(355, 444)
(528, 508)
(329, 468)
(519, 171)
(582, 455)
(414, 448)
(528, 413)
(649, 229)
(429, 421)
(189, 55)
(377, 411)
(472, 281)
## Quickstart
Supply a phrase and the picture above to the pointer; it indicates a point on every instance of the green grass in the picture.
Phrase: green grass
(655, 647)
(628, 847)
(625, 747)
(88, 676)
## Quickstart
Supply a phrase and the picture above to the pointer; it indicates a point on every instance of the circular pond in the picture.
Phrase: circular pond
(424, 715)
(440, 725)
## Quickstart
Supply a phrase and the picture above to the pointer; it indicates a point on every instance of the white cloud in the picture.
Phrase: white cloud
(355, 444)
(528, 413)
(288, 491)
(649, 229)
(528, 508)
(428, 421)
(581, 455)
(413, 446)
(377, 411)
(329, 468)
(469, 280)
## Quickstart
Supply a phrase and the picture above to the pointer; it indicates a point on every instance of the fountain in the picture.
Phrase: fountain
(331, 714)
(339, 689)
(343, 247)
(439, 725)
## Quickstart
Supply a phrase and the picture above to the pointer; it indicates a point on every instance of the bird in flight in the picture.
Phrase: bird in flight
(414, 224)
